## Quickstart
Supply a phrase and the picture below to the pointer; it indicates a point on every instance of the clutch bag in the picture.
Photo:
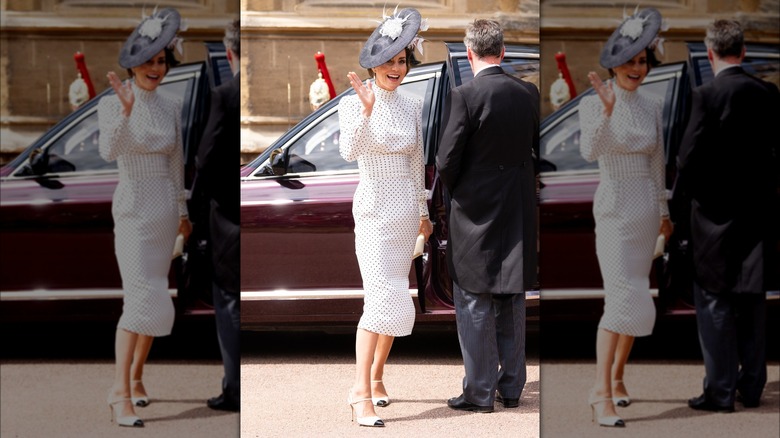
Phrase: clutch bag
(659, 246)
(419, 246)
(178, 246)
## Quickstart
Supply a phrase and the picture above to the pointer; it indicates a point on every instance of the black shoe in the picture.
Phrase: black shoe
(459, 403)
(747, 403)
(222, 403)
(701, 403)
(508, 402)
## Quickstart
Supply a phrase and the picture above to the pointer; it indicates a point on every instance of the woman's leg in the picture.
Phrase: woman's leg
(624, 345)
(124, 347)
(365, 348)
(140, 354)
(606, 344)
(383, 345)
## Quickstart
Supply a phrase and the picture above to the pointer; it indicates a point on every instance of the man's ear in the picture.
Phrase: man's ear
(469, 54)
(231, 60)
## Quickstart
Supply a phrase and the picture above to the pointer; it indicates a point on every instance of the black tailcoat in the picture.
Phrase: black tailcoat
(486, 162)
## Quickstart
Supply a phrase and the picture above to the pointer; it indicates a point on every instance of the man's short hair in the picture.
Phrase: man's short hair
(232, 38)
(485, 38)
(725, 38)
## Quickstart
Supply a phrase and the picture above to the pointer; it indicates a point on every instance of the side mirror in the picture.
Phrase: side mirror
(39, 161)
(278, 162)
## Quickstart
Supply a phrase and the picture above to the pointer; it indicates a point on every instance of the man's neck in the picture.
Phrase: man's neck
(477, 65)
(720, 64)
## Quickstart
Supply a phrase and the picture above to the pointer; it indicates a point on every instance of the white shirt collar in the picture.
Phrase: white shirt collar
(726, 67)
(485, 68)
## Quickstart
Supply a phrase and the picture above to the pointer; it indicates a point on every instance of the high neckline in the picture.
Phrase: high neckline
(623, 94)
(142, 94)
(383, 94)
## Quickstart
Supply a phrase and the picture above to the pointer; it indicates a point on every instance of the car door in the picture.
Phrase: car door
(56, 228)
(569, 269)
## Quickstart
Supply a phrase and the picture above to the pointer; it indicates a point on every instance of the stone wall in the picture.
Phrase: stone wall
(282, 37)
(579, 28)
(39, 38)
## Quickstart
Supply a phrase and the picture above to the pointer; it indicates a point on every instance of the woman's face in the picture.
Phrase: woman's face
(149, 74)
(390, 74)
(631, 74)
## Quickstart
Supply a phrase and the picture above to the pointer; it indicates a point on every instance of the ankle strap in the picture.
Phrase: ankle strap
(595, 400)
(119, 400)
(376, 381)
(359, 400)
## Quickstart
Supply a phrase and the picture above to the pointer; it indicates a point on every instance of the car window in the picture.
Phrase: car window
(317, 150)
(522, 68)
(560, 145)
(767, 69)
(76, 148)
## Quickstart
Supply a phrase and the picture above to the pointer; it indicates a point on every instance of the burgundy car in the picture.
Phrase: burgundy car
(56, 228)
(298, 263)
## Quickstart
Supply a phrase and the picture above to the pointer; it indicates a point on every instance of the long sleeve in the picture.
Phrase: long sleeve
(114, 128)
(417, 164)
(354, 139)
(177, 165)
(452, 139)
(657, 167)
(689, 147)
(594, 128)
(207, 152)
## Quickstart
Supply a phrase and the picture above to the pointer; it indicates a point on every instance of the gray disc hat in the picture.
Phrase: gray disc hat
(153, 34)
(390, 38)
(633, 35)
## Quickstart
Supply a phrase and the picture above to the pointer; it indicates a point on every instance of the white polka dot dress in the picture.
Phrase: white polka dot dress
(628, 204)
(147, 204)
(388, 203)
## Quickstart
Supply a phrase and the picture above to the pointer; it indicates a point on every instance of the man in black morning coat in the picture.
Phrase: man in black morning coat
(217, 176)
(485, 160)
(728, 167)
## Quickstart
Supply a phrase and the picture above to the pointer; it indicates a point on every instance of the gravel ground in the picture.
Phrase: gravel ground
(68, 399)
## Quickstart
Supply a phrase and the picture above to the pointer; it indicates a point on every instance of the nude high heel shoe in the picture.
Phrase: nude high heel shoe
(610, 421)
(380, 401)
(363, 421)
(129, 420)
(142, 401)
(620, 401)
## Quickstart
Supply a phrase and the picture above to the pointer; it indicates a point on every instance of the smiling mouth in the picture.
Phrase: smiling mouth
(153, 77)
(393, 77)
(633, 77)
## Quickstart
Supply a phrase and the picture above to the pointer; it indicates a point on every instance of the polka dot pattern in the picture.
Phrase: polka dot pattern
(147, 203)
(388, 203)
(628, 203)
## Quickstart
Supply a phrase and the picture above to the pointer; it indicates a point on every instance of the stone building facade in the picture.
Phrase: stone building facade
(282, 37)
(38, 40)
(579, 28)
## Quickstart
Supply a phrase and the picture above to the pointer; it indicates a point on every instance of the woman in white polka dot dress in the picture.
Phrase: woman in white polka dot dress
(622, 128)
(141, 130)
(381, 129)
